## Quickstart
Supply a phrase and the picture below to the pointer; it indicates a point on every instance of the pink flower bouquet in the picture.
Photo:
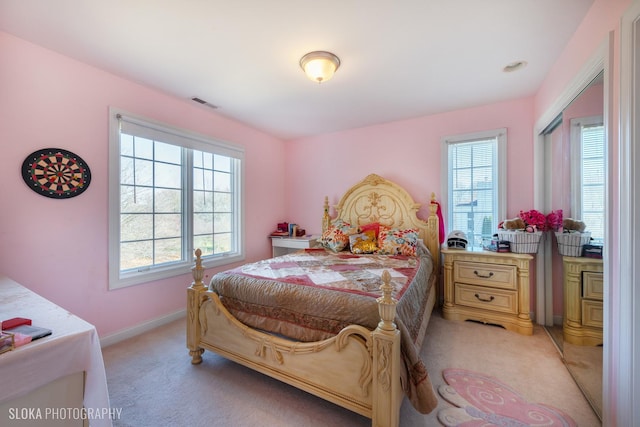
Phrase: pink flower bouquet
(554, 220)
(534, 220)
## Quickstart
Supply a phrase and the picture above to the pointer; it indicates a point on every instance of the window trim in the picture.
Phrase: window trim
(196, 141)
(500, 135)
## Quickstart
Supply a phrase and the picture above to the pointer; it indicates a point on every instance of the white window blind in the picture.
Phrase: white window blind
(588, 147)
(474, 185)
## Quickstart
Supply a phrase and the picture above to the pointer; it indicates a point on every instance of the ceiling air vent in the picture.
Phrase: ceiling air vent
(514, 66)
(203, 102)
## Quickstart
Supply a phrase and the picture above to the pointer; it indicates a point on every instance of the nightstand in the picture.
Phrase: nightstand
(285, 245)
(488, 287)
(583, 295)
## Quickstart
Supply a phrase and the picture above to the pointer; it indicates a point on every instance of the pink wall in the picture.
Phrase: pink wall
(51, 100)
(603, 17)
(58, 248)
(407, 152)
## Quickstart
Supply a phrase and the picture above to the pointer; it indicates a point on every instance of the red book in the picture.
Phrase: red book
(16, 321)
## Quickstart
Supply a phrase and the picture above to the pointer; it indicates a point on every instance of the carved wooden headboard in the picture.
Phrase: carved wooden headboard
(375, 199)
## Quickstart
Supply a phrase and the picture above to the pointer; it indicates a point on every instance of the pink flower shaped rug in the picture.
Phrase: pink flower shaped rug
(484, 401)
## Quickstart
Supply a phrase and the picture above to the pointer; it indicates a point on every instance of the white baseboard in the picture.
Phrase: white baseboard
(141, 328)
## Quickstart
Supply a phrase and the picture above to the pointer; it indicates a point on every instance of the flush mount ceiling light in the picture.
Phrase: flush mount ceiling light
(319, 66)
(517, 65)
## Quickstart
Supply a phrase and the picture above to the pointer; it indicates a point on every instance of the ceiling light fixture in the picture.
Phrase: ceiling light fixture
(319, 66)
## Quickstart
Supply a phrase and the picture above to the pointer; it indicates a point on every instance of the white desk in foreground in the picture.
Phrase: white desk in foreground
(60, 369)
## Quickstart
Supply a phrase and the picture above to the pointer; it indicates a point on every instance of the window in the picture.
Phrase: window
(588, 169)
(474, 183)
(170, 192)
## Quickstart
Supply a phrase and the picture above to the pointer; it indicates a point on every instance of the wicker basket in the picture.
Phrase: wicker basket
(570, 244)
(522, 242)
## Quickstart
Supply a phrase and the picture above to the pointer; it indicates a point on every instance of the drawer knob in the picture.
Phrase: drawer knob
(491, 298)
(484, 276)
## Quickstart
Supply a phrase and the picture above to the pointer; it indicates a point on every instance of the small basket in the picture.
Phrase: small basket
(521, 241)
(7, 341)
(570, 244)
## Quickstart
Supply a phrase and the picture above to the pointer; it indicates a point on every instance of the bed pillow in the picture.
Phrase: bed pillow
(336, 237)
(394, 241)
(382, 229)
(373, 226)
(363, 243)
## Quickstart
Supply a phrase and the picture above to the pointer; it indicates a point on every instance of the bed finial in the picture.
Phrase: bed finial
(387, 304)
(433, 205)
(197, 271)
(326, 219)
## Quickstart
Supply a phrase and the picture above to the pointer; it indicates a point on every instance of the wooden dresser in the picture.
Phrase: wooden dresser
(583, 295)
(488, 287)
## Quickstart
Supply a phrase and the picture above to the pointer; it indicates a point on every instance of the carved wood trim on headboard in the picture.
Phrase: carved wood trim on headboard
(375, 199)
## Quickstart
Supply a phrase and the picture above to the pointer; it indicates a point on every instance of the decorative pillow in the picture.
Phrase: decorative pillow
(394, 241)
(336, 238)
(363, 243)
(375, 226)
(342, 225)
(382, 229)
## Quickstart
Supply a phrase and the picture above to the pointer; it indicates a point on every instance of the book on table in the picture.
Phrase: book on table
(35, 332)
(22, 331)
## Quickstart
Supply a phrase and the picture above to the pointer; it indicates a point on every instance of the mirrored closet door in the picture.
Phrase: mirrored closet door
(574, 181)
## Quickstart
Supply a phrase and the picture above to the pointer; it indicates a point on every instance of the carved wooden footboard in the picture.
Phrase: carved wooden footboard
(358, 369)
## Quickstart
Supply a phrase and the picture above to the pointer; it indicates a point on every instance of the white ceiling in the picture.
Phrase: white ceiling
(400, 59)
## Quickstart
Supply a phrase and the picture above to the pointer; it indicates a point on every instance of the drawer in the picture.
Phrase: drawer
(494, 299)
(592, 285)
(477, 273)
(293, 243)
(592, 313)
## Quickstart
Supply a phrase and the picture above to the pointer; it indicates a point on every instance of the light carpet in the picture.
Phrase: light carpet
(152, 379)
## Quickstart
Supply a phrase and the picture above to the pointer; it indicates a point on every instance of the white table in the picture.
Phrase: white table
(72, 351)
(285, 245)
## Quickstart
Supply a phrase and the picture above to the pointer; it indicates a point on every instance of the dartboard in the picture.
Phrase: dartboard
(56, 173)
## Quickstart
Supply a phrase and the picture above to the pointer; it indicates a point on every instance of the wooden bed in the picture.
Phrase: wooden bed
(359, 368)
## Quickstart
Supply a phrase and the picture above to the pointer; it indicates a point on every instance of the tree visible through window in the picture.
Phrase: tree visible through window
(151, 207)
(171, 192)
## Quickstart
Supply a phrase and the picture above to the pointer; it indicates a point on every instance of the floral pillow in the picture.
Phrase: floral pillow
(394, 241)
(363, 243)
(336, 238)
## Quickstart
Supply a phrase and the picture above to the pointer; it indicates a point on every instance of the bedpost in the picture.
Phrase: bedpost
(194, 299)
(433, 238)
(326, 218)
(387, 390)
